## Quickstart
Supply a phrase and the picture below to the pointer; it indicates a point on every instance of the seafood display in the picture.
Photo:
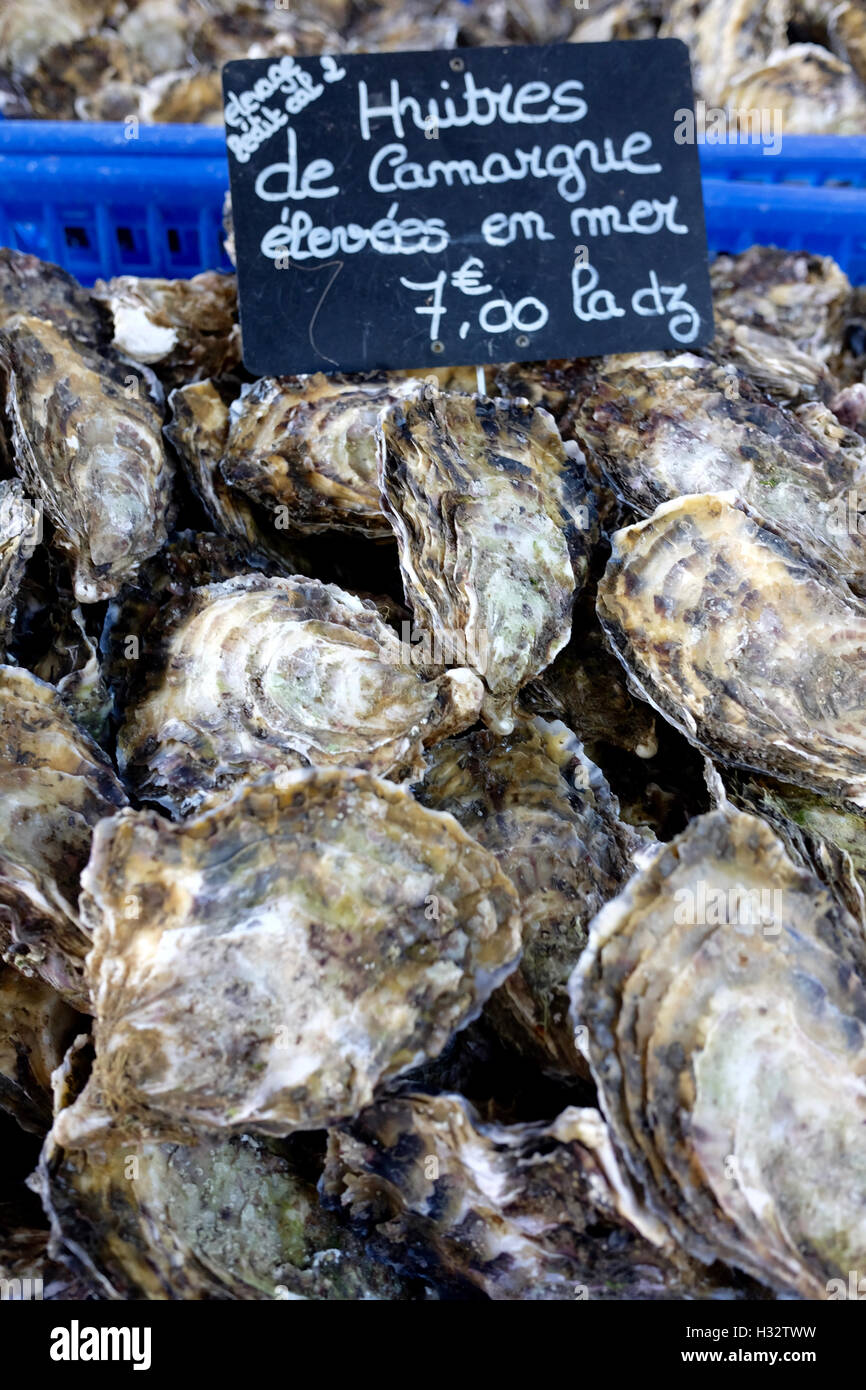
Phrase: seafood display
(804, 61)
(432, 805)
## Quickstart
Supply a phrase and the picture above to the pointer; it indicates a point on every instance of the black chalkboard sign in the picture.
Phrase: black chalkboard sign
(471, 206)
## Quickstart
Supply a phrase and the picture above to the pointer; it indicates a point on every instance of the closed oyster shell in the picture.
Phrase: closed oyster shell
(91, 451)
(724, 36)
(44, 291)
(199, 429)
(660, 427)
(185, 329)
(797, 296)
(827, 837)
(536, 801)
(19, 530)
(266, 964)
(814, 92)
(55, 786)
(753, 652)
(529, 1211)
(36, 1027)
(225, 1218)
(256, 674)
(308, 445)
(724, 1012)
(494, 524)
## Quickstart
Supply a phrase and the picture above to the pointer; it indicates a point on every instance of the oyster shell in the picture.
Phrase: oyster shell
(55, 786)
(802, 298)
(266, 964)
(224, 1218)
(536, 801)
(308, 446)
(90, 449)
(530, 1211)
(660, 427)
(725, 36)
(198, 429)
(44, 291)
(36, 1027)
(20, 524)
(184, 329)
(256, 674)
(753, 652)
(814, 92)
(725, 1021)
(467, 481)
(27, 27)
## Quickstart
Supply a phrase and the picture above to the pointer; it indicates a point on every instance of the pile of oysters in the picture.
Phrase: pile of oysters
(432, 808)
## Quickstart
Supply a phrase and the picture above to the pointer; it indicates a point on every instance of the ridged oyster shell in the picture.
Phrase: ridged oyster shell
(91, 450)
(19, 531)
(308, 445)
(529, 1211)
(660, 427)
(536, 801)
(266, 964)
(36, 1027)
(753, 652)
(724, 1012)
(255, 674)
(55, 785)
(224, 1218)
(44, 291)
(184, 329)
(494, 524)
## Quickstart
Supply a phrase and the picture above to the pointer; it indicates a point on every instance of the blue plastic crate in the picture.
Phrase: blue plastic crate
(100, 203)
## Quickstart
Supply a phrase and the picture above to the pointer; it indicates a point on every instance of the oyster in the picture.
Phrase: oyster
(55, 786)
(813, 92)
(254, 674)
(36, 1027)
(725, 36)
(724, 1014)
(494, 524)
(224, 1218)
(529, 1211)
(20, 524)
(198, 429)
(802, 298)
(265, 965)
(91, 449)
(659, 427)
(27, 27)
(536, 801)
(44, 291)
(184, 329)
(827, 837)
(753, 652)
(308, 446)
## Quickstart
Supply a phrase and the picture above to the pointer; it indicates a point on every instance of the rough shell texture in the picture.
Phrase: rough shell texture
(55, 786)
(19, 531)
(725, 35)
(254, 674)
(530, 1211)
(198, 429)
(753, 652)
(308, 446)
(224, 1218)
(815, 92)
(184, 329)
(536, 801)
(724, 1011)
(798, 297)
(44, 291)
(91, 450)
(36, 1027)
(265, 965)
(660, 427)
(494, 523)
